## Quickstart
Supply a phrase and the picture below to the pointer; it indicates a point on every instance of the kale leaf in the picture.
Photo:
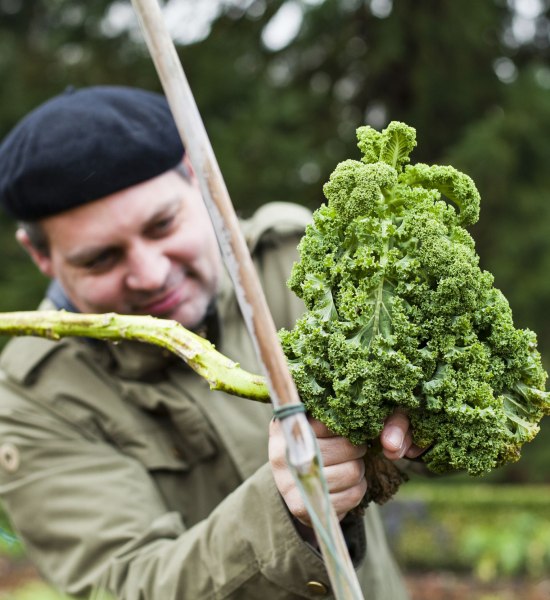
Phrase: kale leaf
(399, 314)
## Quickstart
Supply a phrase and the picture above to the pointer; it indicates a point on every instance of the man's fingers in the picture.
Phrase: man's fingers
(395, 436)
(348, 499)
(414, 451)
(342, 500)
(320, 429)
(338, 450)
(344, 471)
(401, 451)
(342, 477)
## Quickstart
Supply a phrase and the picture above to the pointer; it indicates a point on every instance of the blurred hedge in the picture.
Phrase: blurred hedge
(486, 530)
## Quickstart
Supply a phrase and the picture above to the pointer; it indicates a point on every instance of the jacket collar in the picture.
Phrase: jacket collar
(56, 294)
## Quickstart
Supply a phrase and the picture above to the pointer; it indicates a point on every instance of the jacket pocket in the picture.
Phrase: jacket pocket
(169, 430)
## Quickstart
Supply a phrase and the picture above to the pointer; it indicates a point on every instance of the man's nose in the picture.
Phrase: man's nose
(148, 267)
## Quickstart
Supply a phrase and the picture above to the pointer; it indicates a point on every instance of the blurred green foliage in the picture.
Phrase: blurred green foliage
(486, 530)
(34, 590)
(9, 543)
(472, 77)
(519, 545)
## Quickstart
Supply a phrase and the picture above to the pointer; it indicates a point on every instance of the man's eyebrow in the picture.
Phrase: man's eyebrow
(84, 255)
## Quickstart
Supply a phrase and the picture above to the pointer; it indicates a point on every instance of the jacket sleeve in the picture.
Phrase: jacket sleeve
(92, 519)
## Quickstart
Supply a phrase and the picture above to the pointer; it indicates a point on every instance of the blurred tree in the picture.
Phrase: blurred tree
(507, 156)
(281, 118)
(49, 45)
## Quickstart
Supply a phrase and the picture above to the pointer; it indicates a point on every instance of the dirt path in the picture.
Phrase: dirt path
(14, 574)
(451, 586)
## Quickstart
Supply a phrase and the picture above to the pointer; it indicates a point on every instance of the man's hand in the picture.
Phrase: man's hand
(396, 438)
(343, 463)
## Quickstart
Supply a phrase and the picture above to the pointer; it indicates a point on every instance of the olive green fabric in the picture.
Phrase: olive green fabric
(131, 479)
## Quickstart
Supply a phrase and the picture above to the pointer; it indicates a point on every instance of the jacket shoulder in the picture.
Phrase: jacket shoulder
(275, 219)
(273, 235)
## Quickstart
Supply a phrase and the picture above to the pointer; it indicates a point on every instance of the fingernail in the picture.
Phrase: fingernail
(395, 437)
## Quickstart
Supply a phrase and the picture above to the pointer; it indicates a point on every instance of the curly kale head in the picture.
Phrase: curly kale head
(399, 314)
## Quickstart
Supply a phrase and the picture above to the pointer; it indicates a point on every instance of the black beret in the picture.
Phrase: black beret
(83, 145)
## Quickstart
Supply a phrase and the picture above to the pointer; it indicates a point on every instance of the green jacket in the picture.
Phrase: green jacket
(122, 471)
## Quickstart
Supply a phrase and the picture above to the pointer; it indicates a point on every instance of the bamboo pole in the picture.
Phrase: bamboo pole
(303, 456)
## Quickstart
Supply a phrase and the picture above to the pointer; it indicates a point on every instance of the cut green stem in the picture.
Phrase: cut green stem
(222, 373)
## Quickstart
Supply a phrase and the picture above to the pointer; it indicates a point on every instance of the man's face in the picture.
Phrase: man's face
(149, 249)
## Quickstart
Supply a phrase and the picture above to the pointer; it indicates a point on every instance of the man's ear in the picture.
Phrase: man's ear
(189, 167)
(41, 260)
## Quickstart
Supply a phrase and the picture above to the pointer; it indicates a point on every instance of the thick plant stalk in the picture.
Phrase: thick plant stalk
(302, 453)
(221, 372)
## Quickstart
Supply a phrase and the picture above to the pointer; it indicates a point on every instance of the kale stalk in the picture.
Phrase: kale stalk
(399, 314)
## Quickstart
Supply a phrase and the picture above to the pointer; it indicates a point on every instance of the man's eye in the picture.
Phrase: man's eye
(101, 262)
(162, 226)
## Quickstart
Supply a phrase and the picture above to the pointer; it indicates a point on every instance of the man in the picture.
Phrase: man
(122, 473)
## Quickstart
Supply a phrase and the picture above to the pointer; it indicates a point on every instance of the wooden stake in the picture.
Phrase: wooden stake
(301, 446)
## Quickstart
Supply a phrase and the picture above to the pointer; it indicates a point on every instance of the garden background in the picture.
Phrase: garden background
(282, 85)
